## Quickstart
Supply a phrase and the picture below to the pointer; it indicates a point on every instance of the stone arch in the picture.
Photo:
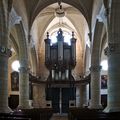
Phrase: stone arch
(4, 25)
(41, 38)
(14, 43)
(95, 66)
(87, 60)
(43, 5)
(33, 61)
(23, 53)
(24, 71)
(96, 48)
(104, 41)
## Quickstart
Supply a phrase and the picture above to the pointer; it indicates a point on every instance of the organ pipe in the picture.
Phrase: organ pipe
(47, 48)
(53, 74)
(60, 57)
(67, 74)
(60, 39)
(60, 75)
(73, 47)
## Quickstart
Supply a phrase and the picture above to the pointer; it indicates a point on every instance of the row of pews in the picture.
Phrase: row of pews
(11, 116)
(46, 114)
(91, 114)
(28, 114)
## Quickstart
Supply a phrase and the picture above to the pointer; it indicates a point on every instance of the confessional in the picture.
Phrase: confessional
(60, 59)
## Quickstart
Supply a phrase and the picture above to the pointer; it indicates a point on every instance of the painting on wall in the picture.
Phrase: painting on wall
(104, 79)
(14, 81)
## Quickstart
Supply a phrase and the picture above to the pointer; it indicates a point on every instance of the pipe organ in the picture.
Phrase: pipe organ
(60, 58)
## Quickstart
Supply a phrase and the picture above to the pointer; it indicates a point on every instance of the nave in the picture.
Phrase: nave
(48, 49)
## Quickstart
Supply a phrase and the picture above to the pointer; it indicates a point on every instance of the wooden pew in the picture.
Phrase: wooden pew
(86, 114)
(37, 113)
(28, 114)
(11, 116)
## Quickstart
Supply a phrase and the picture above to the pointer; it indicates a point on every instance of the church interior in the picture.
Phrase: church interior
(59, 59)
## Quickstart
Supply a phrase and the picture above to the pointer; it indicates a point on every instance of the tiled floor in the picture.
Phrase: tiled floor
(59, 117)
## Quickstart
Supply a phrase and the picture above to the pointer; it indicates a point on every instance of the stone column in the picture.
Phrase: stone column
(83, 95)
(95, 102)
(24, 70)
(4, 54)
(24, 88)
(39, 99)
(113, 102)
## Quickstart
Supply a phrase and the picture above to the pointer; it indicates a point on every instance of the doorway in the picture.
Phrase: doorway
(60, 98)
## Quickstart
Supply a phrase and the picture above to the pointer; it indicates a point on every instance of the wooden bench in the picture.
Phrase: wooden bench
(11, 116)
(36, 113)
(88, 114)
(28, 114)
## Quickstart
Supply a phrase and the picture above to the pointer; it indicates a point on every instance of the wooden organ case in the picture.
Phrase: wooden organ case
(60, 59)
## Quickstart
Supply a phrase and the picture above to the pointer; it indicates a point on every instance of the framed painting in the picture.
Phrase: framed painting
(104, 79)
(15, 81)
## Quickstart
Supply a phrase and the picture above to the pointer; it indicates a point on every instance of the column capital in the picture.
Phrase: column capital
(112, 48)
(107, 11)
(106, 51)
(5, 51)
(95, 68)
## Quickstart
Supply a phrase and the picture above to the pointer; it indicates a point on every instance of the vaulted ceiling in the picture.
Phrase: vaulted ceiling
(38, 17)
(29, 9)
(34, 12)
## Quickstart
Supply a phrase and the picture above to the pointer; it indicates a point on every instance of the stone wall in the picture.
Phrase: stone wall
(39, 96)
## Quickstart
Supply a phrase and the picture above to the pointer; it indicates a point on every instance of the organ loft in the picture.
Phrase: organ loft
(60, 59)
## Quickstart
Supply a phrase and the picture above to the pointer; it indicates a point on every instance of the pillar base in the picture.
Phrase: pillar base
(95, 107)
(111, 109)
(31, 103)
(5, 110)
(24, 107)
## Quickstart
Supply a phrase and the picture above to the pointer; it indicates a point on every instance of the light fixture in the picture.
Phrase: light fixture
(59, 12)
(15, 65)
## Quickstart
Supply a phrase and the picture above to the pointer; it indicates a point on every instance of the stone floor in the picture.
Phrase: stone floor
(59, 117)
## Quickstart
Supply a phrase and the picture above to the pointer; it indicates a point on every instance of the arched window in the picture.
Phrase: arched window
(104, 65)
(67, 37)
(15, 65)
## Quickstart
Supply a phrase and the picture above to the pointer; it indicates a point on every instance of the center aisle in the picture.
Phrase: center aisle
(59, 117)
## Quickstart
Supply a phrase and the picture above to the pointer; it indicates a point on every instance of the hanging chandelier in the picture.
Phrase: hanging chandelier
(59, 12)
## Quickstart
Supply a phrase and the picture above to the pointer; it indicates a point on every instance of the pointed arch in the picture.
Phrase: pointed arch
(96, 48)
(79, 5)
(23, 53)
